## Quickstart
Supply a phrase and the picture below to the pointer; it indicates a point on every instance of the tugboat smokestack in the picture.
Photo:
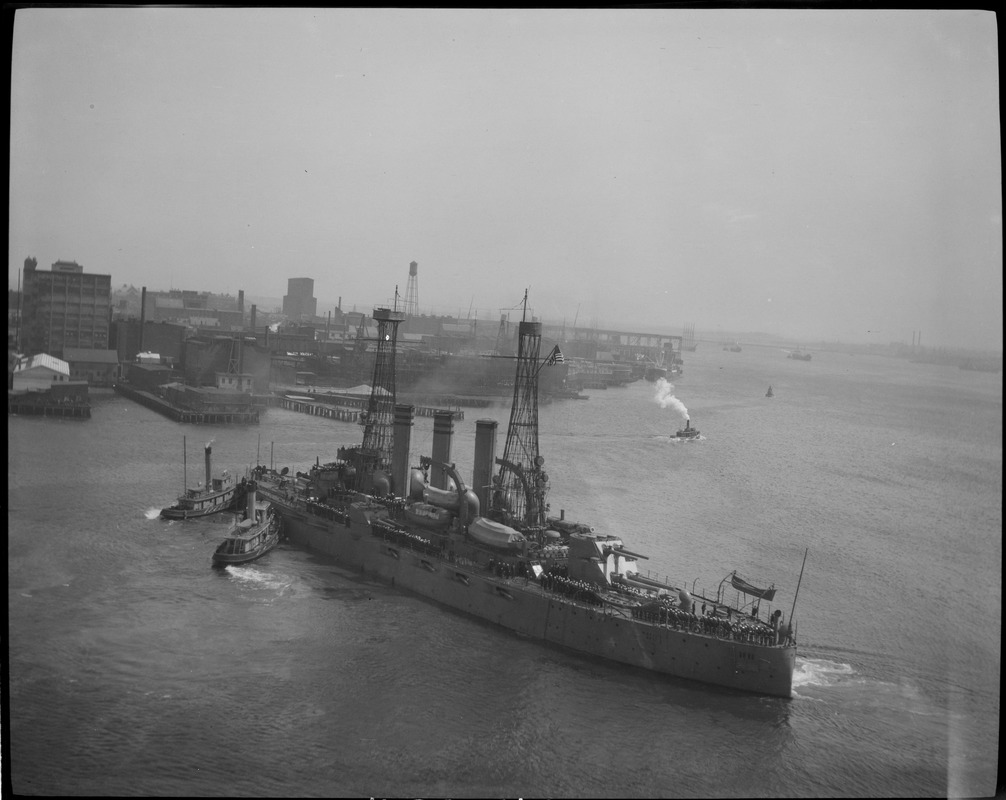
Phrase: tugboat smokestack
(209, 449)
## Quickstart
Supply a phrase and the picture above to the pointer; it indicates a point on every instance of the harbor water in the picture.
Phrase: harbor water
(136, 668)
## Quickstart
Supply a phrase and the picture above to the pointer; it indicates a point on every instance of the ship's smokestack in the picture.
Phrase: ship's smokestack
(443, 432)
(250, 501)
(485, 459)
(404, 416)
(209, 449)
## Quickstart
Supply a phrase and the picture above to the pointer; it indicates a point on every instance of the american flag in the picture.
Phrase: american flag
(555, 357)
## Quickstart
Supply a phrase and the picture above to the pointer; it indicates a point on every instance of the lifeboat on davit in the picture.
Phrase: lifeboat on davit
(496, 534)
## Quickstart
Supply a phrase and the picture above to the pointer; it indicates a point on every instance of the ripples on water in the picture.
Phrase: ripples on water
(147, 671)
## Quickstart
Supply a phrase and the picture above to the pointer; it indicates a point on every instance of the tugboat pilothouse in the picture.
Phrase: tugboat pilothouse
(687, 432)
(495, 552)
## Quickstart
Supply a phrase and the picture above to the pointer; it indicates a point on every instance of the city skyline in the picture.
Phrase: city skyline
(818, 175)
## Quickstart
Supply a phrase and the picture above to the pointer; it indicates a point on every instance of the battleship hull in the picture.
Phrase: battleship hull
(525, 607)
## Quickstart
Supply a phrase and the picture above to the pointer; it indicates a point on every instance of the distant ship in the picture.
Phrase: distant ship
(688, 432)
(495, 553)
(799, 355)
(770, 393)
(654, 373)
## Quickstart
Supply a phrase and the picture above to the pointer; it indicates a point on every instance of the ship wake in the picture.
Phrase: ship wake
(820, 672)
(259, 579)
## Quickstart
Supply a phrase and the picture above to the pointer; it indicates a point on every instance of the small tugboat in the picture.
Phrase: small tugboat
(253, 536)
(799, 355)
(770, 393)
(688, 432)
(218, 494)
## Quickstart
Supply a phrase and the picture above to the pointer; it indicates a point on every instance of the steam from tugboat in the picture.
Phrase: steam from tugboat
(665, 398)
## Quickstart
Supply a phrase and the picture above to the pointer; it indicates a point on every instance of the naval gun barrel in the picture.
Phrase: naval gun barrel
(621, 551)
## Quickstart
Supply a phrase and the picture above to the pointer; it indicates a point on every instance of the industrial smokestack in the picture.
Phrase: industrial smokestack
(143, 314)
(485, 459)
(404, 417)
(443, 432)
(253, 310)
(241, 301)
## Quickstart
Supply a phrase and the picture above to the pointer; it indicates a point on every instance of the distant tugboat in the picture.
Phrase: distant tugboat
(219, 494)
(688, 432)
(253, 536)
(769, 393)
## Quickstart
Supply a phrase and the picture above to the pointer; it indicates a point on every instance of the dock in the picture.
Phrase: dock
(40, 404)
(346, 408)
(185, 415)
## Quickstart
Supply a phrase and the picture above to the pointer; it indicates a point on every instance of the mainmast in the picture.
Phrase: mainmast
(519, 489)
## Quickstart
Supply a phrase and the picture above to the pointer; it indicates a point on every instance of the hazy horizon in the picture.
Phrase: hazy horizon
(816, 175)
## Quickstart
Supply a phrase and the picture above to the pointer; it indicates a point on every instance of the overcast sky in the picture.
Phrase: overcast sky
(812, 174)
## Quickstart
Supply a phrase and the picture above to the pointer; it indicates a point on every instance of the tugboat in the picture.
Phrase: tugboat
(687, 432)
(252, 536)
(799, 355)
(494, 552)
(218, 494)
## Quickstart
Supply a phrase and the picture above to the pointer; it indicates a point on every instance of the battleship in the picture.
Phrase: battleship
(492, 550)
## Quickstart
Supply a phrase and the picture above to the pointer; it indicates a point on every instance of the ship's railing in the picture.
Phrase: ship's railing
(739, 630)
(324, 511)
(402, 537)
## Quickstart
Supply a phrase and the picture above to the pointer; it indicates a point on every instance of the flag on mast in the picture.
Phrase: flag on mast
(555, 357)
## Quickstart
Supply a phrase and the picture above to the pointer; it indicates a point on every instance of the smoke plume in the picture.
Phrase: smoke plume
(666, 399)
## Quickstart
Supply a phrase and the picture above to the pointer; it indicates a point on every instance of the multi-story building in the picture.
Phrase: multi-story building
(64, 307)
(299, 300)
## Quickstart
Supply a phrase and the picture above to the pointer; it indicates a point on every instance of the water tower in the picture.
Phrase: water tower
(412, 291)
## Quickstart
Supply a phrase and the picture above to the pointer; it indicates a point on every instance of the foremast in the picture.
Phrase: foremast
(372, 459)
(521, 485)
